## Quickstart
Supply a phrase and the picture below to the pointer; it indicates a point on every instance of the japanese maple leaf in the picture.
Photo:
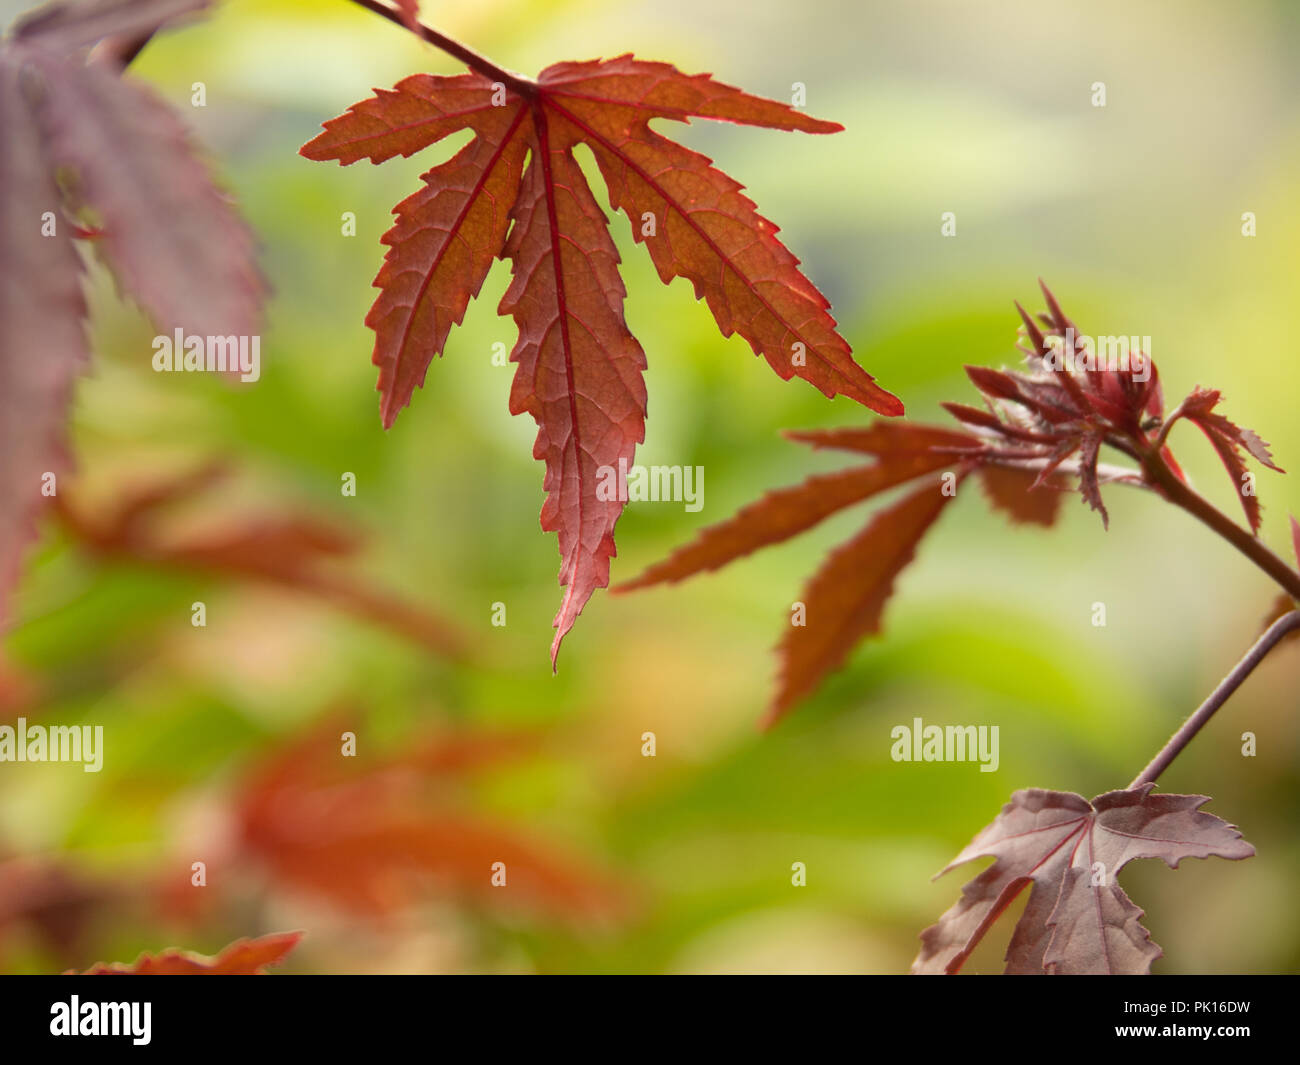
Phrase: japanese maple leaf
(1229, 441)
(845, 599)
(1069, 851)
(171, 238)
(517, 191)
(244, 957)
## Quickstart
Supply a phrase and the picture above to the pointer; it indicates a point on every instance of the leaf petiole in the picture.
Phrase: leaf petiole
(476, 61)
(1284, 625)
(1182, 495)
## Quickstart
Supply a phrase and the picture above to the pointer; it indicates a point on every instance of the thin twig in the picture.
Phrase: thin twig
(525, 86)
(1284, 625)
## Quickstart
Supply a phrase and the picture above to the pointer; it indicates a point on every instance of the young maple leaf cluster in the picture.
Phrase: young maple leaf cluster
(1071, 400)
(84, 145)
(1039, 425)
(517, 192)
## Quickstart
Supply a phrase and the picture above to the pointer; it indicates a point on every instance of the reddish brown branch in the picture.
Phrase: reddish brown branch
(474, 60)
(1181, 495)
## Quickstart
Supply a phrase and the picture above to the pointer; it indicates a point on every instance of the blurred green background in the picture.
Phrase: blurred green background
(1132, 212)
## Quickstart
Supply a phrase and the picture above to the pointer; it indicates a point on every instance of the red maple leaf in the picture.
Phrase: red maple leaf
(1078, 920)
(244, 957)
(517, 191)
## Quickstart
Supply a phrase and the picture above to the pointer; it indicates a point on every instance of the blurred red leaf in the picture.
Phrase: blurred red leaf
(290, 551)
(174, 241)
(65, 27)
(244, 957)
(41, 307)
(371, 837)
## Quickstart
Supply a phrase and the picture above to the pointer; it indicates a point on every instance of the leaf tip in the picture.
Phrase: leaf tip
(877, 399)
(890, 406)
